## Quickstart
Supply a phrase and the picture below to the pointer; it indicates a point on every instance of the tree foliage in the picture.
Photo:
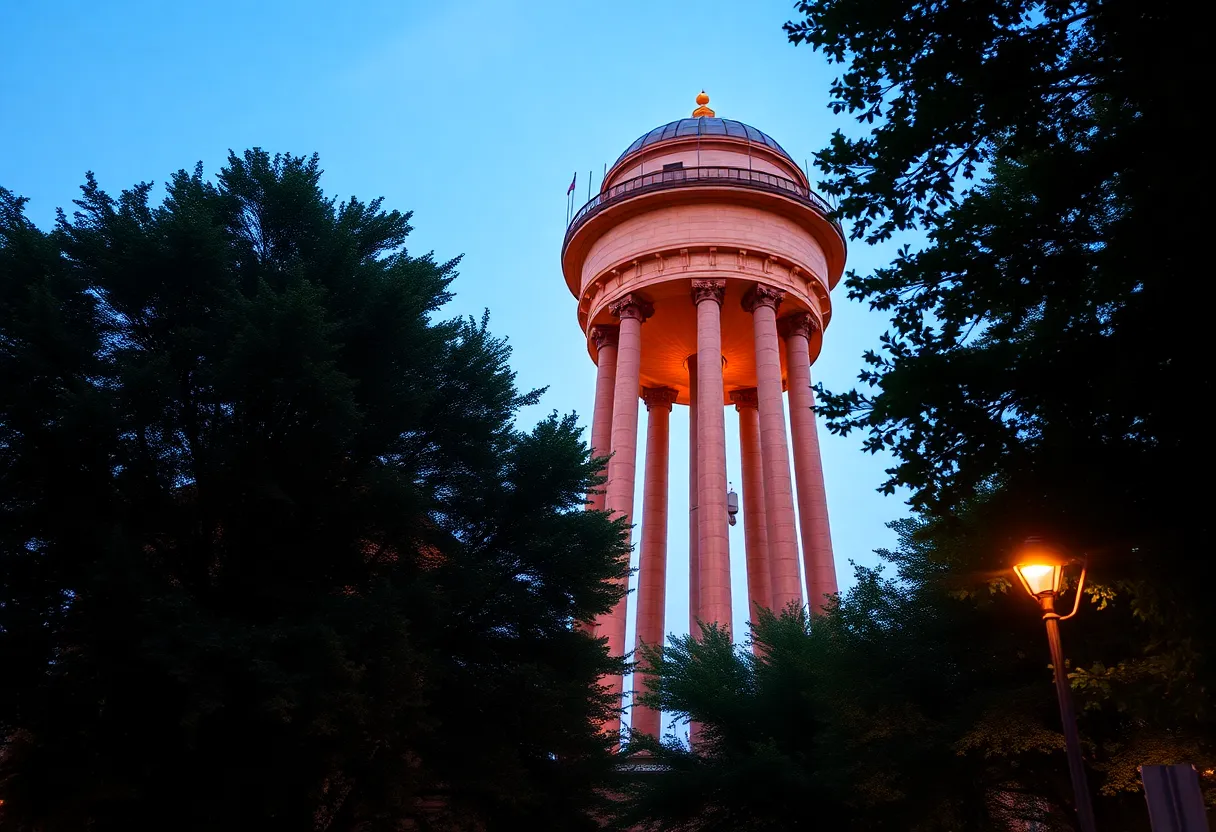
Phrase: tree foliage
(275, 554)
(759, 727)
(1045, 294)
(1046, 360)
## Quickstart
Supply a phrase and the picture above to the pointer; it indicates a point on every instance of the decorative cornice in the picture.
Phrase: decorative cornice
(746, 398)
(761, 295)
(800, 323)
(663, 397)
(703, 261)
(632, 306)
(604, 335)
(713, 290)
(703, 256)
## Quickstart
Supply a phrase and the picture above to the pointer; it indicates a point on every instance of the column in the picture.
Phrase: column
(762, 302)
(632, 310)
(755, 531)
(694, 529)
(808, 467)
(652, 568)
(605, 340)
(713, 547)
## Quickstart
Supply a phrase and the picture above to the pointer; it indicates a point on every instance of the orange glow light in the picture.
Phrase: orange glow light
(1040, 578)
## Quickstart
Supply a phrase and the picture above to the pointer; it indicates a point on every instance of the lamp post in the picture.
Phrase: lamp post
(1041, 571)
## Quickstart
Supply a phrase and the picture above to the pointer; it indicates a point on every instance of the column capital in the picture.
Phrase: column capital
(632, 306)
(604, 335)
(761, 295)
(800, 323)
(662, 397)
(746, 398)
(713, 290)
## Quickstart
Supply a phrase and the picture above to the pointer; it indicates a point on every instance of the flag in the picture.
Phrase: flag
(570, 190)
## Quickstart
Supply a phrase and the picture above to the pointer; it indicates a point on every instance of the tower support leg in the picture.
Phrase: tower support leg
(652, 578)
(808, 467)
(622, 468)
(605, 338)
(755, 527)
(762, 302)
(694, 497)
(713, 605)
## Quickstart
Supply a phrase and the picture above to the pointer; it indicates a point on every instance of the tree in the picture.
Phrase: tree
(1040, 374)
(755, 765)
(274, 553)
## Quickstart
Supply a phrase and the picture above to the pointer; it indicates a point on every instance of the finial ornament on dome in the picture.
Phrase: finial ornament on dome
(702, 111)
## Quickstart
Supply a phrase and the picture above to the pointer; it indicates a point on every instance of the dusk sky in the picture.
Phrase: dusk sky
(474, 115)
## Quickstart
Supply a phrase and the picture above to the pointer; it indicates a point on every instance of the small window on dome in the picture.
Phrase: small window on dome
(673, 166)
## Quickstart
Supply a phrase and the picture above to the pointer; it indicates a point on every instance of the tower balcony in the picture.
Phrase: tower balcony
(692, 177)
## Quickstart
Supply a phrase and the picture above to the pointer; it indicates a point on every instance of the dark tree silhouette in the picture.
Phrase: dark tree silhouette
(273, 553)
(1047, 358)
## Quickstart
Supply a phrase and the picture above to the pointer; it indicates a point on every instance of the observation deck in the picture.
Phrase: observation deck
(714, 176)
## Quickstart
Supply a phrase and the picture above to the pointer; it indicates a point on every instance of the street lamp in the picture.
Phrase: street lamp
(1040, 568)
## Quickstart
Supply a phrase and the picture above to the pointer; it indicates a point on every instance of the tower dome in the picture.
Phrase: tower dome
(700, 127)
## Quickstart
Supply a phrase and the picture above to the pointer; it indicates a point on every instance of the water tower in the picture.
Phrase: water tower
(702, 270)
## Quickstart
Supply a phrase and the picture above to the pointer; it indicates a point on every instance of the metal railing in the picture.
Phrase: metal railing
(682, 177)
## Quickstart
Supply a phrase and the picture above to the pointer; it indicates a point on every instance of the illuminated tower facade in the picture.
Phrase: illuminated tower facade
(702, 270)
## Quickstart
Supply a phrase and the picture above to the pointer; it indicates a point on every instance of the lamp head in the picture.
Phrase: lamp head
(1040, 568)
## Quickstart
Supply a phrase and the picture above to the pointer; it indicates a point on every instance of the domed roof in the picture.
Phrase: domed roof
(704, 126)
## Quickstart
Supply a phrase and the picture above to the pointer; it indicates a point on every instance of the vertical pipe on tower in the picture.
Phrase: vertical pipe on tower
(652, 567)
(713, 545)
(755, 529)
(762, 302)
(808, 466)
(694, 528)
(622, 468)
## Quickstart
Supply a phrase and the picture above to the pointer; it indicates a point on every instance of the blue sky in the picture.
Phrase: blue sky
(474, 115)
